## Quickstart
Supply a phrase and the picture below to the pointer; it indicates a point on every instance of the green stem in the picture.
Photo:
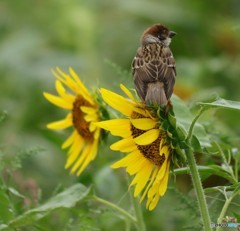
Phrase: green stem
(138, 212)
(236, 168)
(230, 170)
(196, 177)
(223, 212)
(115, 207)
(199, 190)
(194, 121)
(226, 205)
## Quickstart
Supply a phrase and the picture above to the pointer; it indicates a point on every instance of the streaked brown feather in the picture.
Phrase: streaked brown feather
(154, 63)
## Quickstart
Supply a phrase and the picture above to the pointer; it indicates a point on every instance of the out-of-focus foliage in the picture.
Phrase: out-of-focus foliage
(93, 36)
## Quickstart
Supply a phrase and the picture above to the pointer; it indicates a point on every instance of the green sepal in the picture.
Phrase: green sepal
(181, 154)
(164, 125)
(184, 145)
(181, 133)
(196, 144)
(170, 135)
(172, 119)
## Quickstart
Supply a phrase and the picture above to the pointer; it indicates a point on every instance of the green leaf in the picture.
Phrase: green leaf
(6, 213)
(206, 171)
(222, 103)
(236, 190)
(15, 192)
(65, 199)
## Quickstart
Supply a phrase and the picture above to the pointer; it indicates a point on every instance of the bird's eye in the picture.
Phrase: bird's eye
(161, 37)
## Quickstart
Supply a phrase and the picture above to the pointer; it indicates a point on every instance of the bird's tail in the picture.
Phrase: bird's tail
(156, 94)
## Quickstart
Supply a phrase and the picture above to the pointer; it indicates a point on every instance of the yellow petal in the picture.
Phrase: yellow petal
(88, 110)
(94, 149)
(157, 191)
(83, 155)
(62, 92)
(131, 157)
(164, 150)
(153, 190)
(65, 79)
(97, 134)
(90, 156)
(69, 140)
(150, 183)
(59, 87)
(162, 170)
(127, 92)
(61, 124)
(159, 178)
(117, 102)
(92, 127)
(74, 151)
(90, 118)
(117, 127)
(81, 85)
(124, 145)
(70, 81)
(153, 202)
(60, 102)
(141, 178)
(141, 111)
(144, 123)
(136, 166)
(164, 182)
(147, 137)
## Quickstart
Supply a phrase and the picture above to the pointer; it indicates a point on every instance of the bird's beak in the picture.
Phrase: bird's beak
(172, 33)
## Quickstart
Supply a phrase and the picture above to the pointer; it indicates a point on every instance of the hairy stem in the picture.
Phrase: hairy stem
(196, 177)
(199, 190)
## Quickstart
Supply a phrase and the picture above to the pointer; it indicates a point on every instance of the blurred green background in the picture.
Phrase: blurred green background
(99, 39)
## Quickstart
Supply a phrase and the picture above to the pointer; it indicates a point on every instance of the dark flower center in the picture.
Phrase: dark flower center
(150, 151)
(80, 124)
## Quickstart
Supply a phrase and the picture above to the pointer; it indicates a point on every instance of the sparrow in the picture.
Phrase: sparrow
(153, 67)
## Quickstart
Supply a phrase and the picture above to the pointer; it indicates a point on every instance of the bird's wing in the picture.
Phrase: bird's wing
(170, 73)
(155, 67)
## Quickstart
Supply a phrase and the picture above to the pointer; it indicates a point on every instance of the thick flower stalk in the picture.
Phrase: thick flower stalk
(149, 152)
(83, 113)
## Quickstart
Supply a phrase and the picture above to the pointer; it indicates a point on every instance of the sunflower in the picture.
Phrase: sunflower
(149, 152)
(83, 113)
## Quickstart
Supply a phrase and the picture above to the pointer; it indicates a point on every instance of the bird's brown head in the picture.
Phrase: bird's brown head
(157, 34)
